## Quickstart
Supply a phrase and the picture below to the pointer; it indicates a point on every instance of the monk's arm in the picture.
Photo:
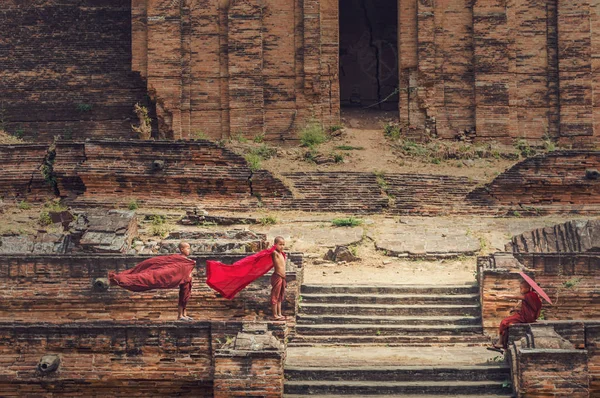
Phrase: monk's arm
(512, 297)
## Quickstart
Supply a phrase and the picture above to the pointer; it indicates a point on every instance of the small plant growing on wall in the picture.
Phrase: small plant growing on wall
(84, 107)
(144, 129)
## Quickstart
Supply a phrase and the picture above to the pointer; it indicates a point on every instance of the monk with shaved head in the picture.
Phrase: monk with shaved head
(531, 306)
(278, 281)
(163, 272)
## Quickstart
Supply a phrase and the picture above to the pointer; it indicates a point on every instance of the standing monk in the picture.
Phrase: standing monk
(529, 313)
(278, 281)
(163, 272)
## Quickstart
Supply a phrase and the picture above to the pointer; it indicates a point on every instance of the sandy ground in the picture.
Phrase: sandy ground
(378, 155)
(313, 234)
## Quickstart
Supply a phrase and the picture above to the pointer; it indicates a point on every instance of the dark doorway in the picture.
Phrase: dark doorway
(369, 53)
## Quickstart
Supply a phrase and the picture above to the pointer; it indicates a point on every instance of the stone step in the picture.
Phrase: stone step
(397, 340)
(391, 289)
(378, 330)
(398, 396)
(341, 298)
(390, 309)
(399, 373)
(384, 320)
(476, 388)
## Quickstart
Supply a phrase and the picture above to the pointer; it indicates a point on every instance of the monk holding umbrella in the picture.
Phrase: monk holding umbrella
(531, 305)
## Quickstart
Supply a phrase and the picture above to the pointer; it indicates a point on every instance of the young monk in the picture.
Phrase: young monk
(278, 281)
(229, 280)
(531, 305)
(163, 272)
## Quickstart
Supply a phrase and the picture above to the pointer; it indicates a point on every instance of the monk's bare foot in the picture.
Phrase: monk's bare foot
(277, 318)
(497, 345)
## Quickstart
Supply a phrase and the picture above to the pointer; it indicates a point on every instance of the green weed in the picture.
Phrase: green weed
(259, 138)
(24, 205)
(133, 205)
(349, 148)
(571, 283)
(84, 107)
(200, 135)
(268, 220)
(312, 135)
(254, 161)
(55, 206)
(346, 222)
(392, 131)
(264, 151)
(45, 218)
(239, 137)
(524, 148)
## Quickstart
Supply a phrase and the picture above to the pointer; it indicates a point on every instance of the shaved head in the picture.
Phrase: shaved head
(279, 239)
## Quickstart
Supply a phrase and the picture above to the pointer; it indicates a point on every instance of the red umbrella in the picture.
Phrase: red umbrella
(536, 287)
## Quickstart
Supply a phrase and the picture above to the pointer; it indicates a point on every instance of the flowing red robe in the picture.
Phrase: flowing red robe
(230, 279)
(529, 313)
(163, 272)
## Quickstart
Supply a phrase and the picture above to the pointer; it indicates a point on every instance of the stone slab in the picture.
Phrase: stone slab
(389, 356)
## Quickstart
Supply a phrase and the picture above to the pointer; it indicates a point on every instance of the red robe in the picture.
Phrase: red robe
(529, 312)
(163, 272)
(230, 279)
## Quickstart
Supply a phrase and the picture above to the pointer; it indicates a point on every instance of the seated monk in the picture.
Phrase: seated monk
(531, 305)
(163, 272)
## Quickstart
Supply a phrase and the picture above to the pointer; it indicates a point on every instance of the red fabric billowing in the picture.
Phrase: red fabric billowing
(163, 272)
(230, 279)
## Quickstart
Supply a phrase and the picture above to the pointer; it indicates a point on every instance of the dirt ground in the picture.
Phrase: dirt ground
(7, 139)
(364, 129)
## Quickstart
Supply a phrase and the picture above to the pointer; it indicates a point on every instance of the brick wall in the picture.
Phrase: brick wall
(117, 172)
(506, 70)
(249, 376)
(250, 365)
(66, 69)
(21, 177)
(572, 236)
(570, 280)
(238, 67)
(557, 372)
(592, 338)
(59, 289)
(553, 373)
(552, 182)
(107, 359)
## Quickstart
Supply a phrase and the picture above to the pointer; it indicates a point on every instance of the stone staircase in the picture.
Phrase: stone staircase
(401, 330)
(388, 315)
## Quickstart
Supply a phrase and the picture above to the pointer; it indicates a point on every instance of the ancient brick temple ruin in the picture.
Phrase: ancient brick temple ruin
(499, 69)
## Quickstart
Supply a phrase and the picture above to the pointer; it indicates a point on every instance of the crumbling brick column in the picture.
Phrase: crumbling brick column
(544, 364)
(250, 365)
(497, 276)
